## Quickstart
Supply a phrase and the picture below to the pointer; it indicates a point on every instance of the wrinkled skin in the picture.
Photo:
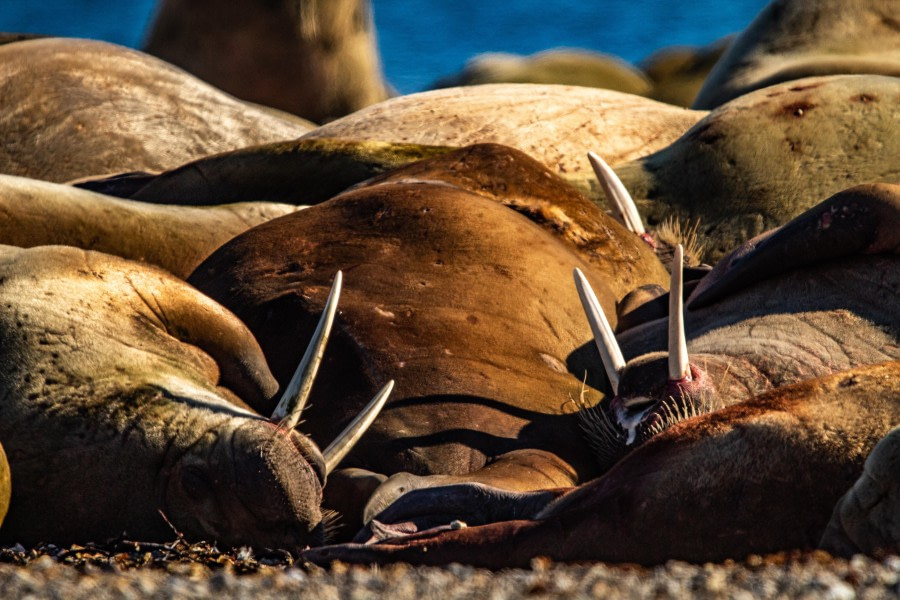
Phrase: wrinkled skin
(176, 238)
(76, 108)
(314, 58)
(762, 159)
(817, 296)
(123, 395)
(528, 117)
(865, 519)
(756, 477)
(451, 294)
(557, 66)
(296, 172)
(792, 39)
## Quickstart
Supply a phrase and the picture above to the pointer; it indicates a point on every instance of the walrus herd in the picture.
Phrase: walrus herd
(683, 345)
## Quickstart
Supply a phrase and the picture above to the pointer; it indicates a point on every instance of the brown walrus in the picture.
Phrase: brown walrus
(455, 297)
(176, 238)
(74, 108)
(314, 58)
(124, 403)
(753, 478)
(758, 161)
(556, 124)
(792, 39)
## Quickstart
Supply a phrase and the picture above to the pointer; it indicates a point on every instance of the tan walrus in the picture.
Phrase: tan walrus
(74, 108)
(758, 161)
(123, 404)
(793, 39)
(555, 124)
(176, 238)
(314, 58)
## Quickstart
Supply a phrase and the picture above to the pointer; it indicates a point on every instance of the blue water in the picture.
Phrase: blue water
(423, 40)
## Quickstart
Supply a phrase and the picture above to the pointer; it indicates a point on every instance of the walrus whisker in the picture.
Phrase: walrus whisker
(610, 354)
(678, 354)
(616, 194)
(287, 412)
(345, 441)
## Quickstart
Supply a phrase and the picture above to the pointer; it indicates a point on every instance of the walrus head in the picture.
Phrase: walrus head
(260, 479)
(652, 392)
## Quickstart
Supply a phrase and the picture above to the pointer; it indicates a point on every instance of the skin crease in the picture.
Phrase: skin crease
(528, 117)
(459, 277)
(124, 394)
(315, 58)
(760, 160)
(176, 238)
(757, 477)
(792, 39)
(78, 108)
(814, 297)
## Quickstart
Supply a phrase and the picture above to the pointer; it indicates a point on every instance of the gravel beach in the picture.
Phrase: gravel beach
(142, 571)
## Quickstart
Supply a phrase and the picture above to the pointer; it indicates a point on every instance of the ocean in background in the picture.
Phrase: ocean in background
(423, 40)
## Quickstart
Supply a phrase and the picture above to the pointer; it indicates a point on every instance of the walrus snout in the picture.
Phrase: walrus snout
(251, 484)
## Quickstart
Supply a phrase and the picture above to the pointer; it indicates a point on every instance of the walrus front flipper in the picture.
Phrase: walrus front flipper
(195, 319)
(521, 541)
(865, 519)
(864, 219)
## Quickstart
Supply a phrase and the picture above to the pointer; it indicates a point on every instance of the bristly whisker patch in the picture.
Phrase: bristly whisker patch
(605, 439)
(331, 524)
(672, 412)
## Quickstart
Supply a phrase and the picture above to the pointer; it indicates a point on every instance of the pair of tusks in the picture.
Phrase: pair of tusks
(293, 401)
(611, 354)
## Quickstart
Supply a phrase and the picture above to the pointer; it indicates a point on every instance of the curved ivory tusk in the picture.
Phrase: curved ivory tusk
(287, 413)
(616, 194)
(678, 354)
(344, 442)
(610, 354)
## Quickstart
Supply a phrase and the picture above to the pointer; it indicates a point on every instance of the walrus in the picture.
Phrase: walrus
(865, 518)
(793, 39)
(176, 238)
(124, 411)
(315, 58)
(5, 485)
(453, 296)
(76, 108)
(677, 73)
(304, 171)
(753, 478)
(816, 296)
(759, 160)
(803, 301)
(565, 66)
(556, 124)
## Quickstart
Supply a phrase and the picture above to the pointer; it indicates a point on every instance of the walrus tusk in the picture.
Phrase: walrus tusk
(616, 194)
(678, 354)
(610, 354)
(344, 442)
(292, 402)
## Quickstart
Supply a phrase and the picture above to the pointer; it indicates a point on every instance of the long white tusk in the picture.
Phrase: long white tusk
(610, 354)
(616, 194)
(292, 402)
(678, 354)
(344, 442)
